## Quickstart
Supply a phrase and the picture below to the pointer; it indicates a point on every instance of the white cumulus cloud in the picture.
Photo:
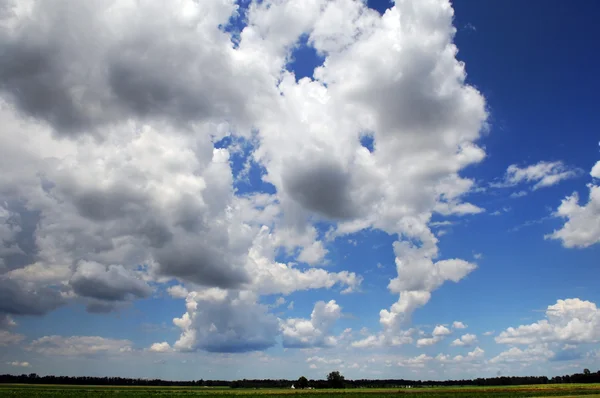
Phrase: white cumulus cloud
(568, 321)
(582, 225)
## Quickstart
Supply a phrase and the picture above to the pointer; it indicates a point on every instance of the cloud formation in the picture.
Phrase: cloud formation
(573, 321)
(542, 174)
(114, 178)
(313, 332)
(79, 346)
(581, 228)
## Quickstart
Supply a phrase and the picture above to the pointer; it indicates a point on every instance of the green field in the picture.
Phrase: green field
(557, 390)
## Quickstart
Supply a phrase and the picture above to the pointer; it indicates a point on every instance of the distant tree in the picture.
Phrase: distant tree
(335, 380)
(302, 382)
(586, 372)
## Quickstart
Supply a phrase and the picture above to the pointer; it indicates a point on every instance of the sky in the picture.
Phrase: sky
(277, 188)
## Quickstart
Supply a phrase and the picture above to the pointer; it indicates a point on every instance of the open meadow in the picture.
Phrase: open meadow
(56, 391)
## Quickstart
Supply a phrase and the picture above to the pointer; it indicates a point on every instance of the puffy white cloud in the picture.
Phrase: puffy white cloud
(532, 354)
(225, 321)
(458, 325)
(313, 332)
(473, 356)
(596, 170)
(542, 174)
(415, 362)
(177, 291)
(160, 347)
(438, 334)
(441, 330)
(568, 321)
(427, 341)
(582, 226)
(79, 346)
(18, 364)
(465, 340)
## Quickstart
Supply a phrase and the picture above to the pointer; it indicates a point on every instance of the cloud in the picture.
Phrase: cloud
(19, 364)
(313, 332)
(466, 340)
(489, 333)
(415, 362)
(109, 139)
(112, 283)
(160, 347)
(316, 361)
(8, 339)
(595, 173)
(45, 66)
(458, 325)
(177, 291)
(79, 346)
(581, 228)
(474, 356)
(441, 330)
(399, 337)
(572, 321)
(6, 322)
(225, 322)
(528, 355)
(24, 298)
(438, 334)
(519, 194)
(541, 175)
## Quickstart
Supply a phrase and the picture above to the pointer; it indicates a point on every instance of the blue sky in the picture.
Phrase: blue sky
(257, 190)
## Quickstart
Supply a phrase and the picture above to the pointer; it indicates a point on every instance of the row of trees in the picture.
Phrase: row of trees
(333, 380)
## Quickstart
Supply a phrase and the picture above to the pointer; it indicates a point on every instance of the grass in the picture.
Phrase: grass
(59, 391)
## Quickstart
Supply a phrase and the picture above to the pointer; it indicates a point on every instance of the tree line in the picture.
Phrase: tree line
(333, 380)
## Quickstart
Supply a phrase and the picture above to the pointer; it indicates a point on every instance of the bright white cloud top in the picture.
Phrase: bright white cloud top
(129, 127)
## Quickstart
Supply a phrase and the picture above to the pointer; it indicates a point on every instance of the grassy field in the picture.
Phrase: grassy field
(51, 391)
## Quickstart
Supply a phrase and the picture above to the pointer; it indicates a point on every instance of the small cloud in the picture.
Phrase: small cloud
(501, 211)
(518, 194)
(465, 340)
(540, 175)
(290, 305)
(477, 256)
(458, 325)
(19, 364)
(470, 26)
(278, 303)
(489, 333)
(440, 224)
(379, 265)
(160, 347)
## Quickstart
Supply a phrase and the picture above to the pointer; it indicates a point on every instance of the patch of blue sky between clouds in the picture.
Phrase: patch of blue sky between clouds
(237, 22)
(304, 59)
(381, 6)
(247, 174)
(368, 141)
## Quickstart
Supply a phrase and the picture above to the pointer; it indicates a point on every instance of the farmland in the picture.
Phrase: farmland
(51, 391)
